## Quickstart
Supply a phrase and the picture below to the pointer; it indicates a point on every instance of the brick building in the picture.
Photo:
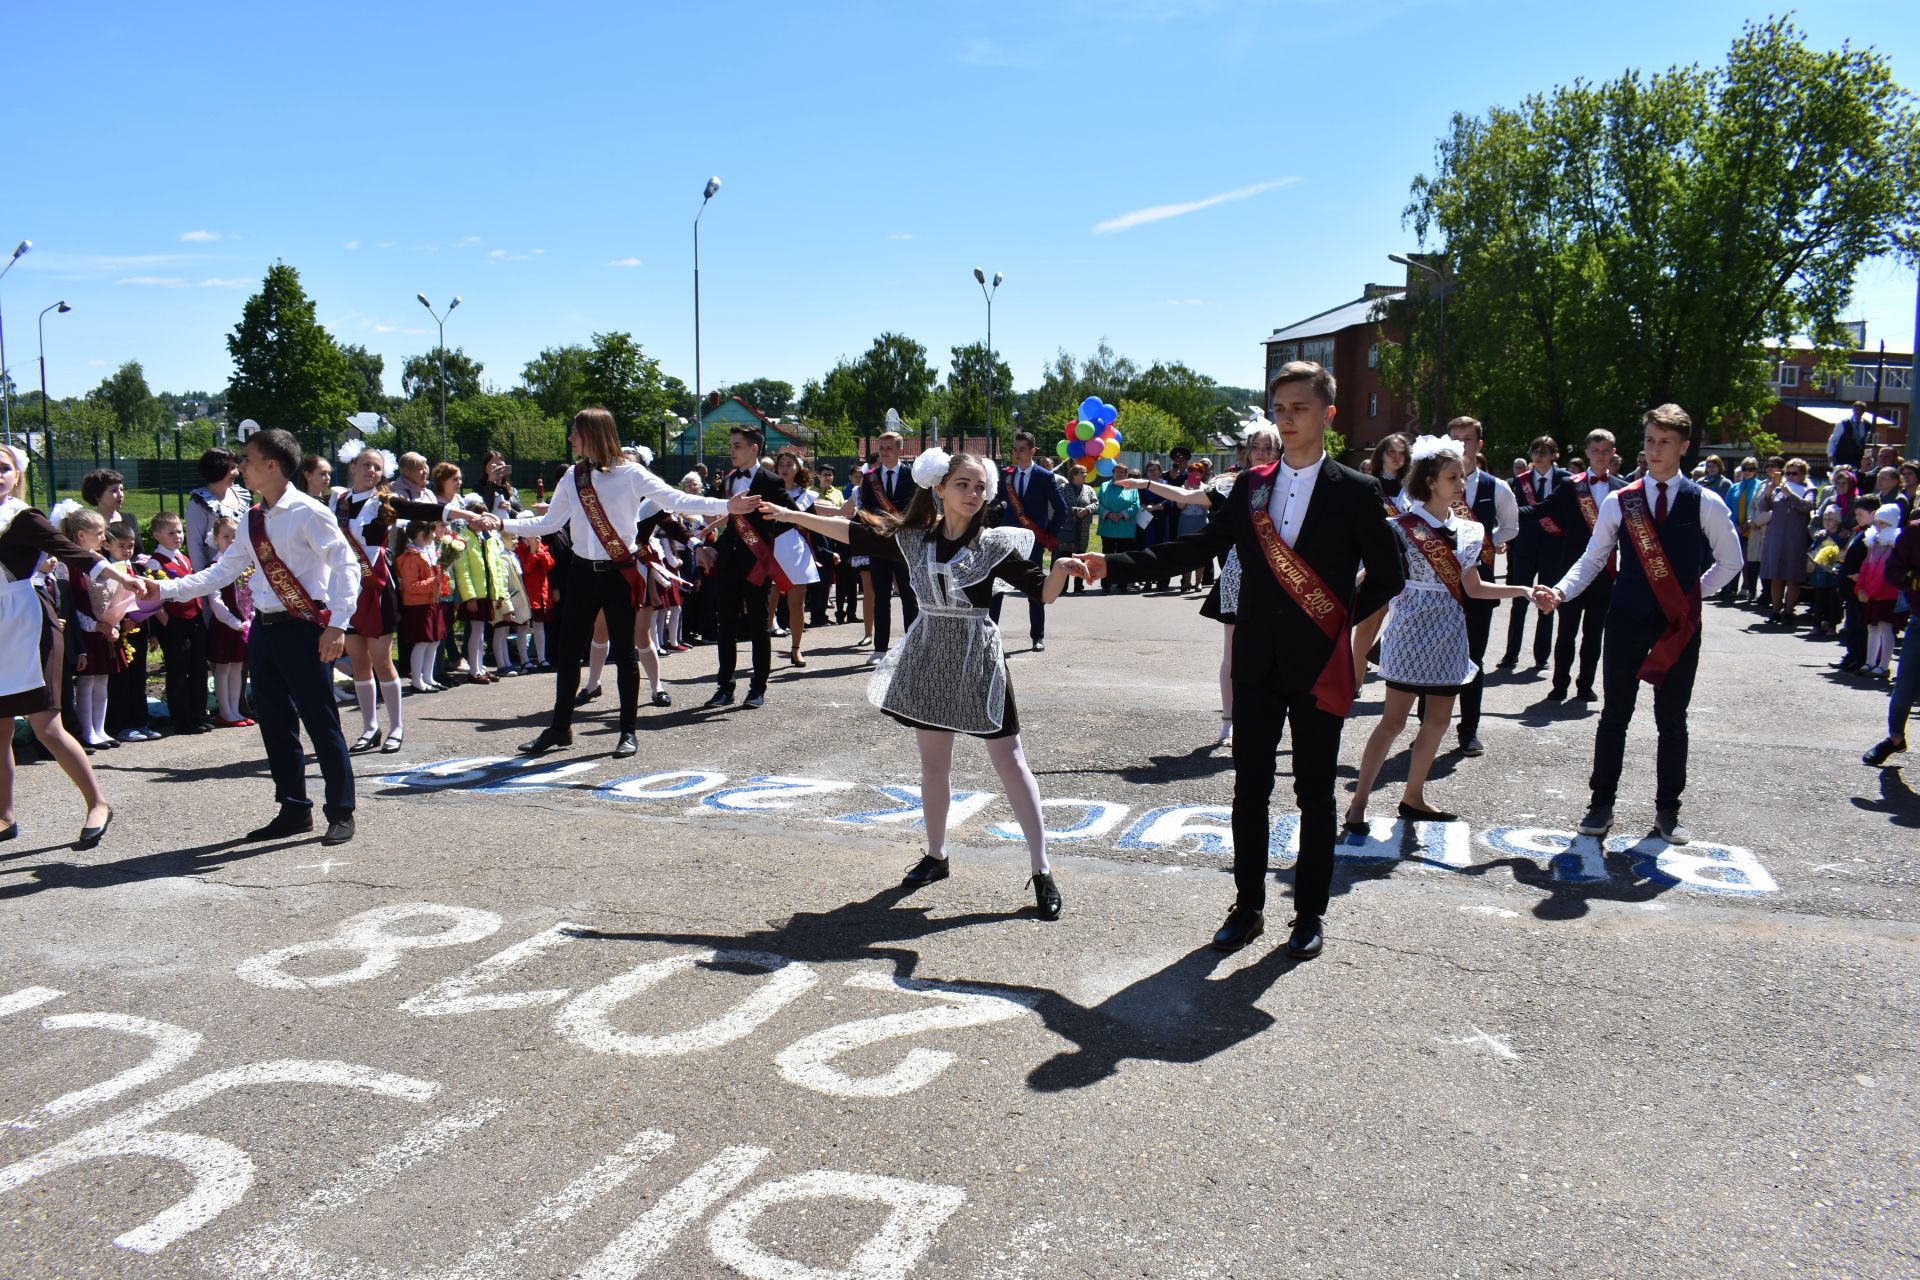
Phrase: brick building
(1810, 404)
(1346, 340)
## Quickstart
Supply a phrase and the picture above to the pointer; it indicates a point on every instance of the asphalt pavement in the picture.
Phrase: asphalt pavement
(673, 1016)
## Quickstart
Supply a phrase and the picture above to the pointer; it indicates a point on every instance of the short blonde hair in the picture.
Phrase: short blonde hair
(1668, 417)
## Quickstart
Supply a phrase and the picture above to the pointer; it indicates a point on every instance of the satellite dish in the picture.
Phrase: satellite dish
(893, 419)
(247, 427)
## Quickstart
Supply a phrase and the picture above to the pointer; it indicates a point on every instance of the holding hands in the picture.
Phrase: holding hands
(482, 521)
(1546, 599)
(746, 504)
(1094, 565)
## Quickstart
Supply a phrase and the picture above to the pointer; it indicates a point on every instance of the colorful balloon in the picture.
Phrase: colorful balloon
(1083, 429)
(1061, 448)
(1104, 466)
(1090, 409)
(1107, 415)
(1111, 449)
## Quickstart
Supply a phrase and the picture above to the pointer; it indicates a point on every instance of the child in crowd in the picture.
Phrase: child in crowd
(1853, 630)
(422, 623)
(127, 686)
(480, 581)
(536, 564)
(1879, 595)
(1823, 572)
(99, 644)
(517, 622)
(183, 635)
(232, 609)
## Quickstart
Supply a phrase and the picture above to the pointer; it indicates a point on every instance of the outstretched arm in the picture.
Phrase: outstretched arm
(835, 527)
(1160, 489)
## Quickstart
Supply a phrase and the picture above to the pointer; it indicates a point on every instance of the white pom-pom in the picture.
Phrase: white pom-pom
(646, 456)
(1428, 446)
(930, 468)
(61, 510)
(350, 449)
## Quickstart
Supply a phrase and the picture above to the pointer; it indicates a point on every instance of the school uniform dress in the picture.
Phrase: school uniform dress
(422, 621)
(887, 491)
(232, 609)
(369, 519)
(1423, 647)
(1489, 500)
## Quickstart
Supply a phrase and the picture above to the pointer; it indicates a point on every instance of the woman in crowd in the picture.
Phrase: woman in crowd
(315, 479)
(1743, 501)
(948, 675)
(1886, 488)
(1785, 507)
(219, 495)
(1119, 512)
(1424, 651)
(496, 489)
(1202, 495)
(797, 567)
(1082, 503)
(1390, 469)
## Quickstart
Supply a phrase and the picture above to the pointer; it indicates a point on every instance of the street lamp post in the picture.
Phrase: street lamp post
(1440, 361)
(46, 426)
(6, 383)
(699, 418)
(441, 320)
(981, 276)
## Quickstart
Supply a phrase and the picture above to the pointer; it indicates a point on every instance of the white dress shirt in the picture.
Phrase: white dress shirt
(1292, 490)
(1715, 520)
(1506, 511)
(308, 541)
(620, 490)
(369, 511)
(1020, 477)
(1542, 485)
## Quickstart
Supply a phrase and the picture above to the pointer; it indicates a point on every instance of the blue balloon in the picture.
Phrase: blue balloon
(1104, 466)
(1090, 409)
(1107, 414)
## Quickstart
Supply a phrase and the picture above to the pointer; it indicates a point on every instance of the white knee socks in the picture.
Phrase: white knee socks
(596, 662)
(363, 693)
(390, 694)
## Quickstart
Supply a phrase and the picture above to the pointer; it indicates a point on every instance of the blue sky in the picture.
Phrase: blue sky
(546, 162)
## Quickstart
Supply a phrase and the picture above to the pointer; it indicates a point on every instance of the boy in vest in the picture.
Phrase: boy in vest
(1677, 544)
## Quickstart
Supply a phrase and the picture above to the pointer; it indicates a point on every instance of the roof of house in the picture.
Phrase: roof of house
(1332, 320)
(1834, 415)
(721, 404)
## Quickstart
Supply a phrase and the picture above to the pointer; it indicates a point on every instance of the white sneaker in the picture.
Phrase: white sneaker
(1226, 733)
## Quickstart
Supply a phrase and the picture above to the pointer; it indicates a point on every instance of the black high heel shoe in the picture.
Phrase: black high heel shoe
(12, 831)
(1046, 895)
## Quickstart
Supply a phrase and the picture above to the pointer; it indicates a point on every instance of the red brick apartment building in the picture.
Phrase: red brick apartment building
(1346, 340)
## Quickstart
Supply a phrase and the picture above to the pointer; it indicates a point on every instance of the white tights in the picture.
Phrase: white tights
(90, 708)
(1010, 762)
(1879, 644)
(424, 654)
(670, 626)
(228, 678)
(477, 649)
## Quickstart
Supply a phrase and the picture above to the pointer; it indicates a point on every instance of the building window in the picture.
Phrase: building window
(1373, 355)
(1319, 351)
(1373, 404)
(1785, 375)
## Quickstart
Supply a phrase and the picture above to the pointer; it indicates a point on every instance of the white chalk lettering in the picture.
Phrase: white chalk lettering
(1096, 819)
(653, 1232)
(770, 793)
(458, 993)
(907, 808)
(367, 935)
(660, 786)
(171, 1046)
(917, 1210)
(805, 1062)
(587, 1022)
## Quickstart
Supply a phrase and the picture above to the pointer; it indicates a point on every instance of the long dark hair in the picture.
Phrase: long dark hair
(923, 512)
(1380, 456)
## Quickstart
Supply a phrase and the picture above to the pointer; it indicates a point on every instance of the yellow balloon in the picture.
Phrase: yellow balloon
(1111, 449)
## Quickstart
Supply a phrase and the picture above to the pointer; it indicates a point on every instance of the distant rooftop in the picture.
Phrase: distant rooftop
(1344, 316)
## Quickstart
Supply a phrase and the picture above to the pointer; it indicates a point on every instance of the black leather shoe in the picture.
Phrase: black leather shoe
(364, 743)
(1876, 756)
(1557, 694)
(926, 871)
(756, 698)
(1039, 645)
(1304, 942)
(12, 831)
(90, 836)
(585, 696)
(291, 822)
(547, 741)
(1240, 928)
(628, 745)
(663, 699)
(339, 831)
(1410, 814)
(1586, 694)
(1046, 896)
(1508, 663)
(723, 696)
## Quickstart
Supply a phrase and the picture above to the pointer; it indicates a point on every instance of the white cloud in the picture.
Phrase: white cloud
(901, 235)
(624, 262)
(98, 364)
(466, 242)
(536, 252)
(498, 253)
(199, 237)
(985, 53)
(351, 244)
(215, 282)
(385, 244)
(394, 328)
(163, 282)
(1161, 212)
(1186, 302)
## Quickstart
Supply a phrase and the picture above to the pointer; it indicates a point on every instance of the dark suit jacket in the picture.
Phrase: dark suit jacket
(1043, 502)
(733, 556)
(1274, 641)
(1532, 539)
(903, 489)
(1563, 508)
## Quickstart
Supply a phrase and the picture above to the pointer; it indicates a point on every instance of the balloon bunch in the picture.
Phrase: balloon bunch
(1092, 438)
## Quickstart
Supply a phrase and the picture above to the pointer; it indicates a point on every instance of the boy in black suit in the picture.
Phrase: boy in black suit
(1539, 552)
(886, 490)
(1305, 527)
(741, 565)
(1574, 508)
(1029, 499)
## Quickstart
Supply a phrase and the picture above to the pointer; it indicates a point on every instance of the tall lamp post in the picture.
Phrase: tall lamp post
(1440, 363)
(441, 320)
(985, 292)
(699, 417)
(46, 427)
(6, 384)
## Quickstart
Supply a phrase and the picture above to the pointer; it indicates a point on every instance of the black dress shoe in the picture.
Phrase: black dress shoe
(628, 745)
(1586, 694)
(291, 822)
(90, 836)
(1508, 663)
(547, 741)
(585, 696)
(1046, 896)
(1876, 756)
(364, 743)
(1304, 942)
(1039, 645)
(339, 831)
(12, 831)
(755, 698)
(926, 871)
(723, 696)
(1240, 928)
(1557, 694)
(1408, 813)
(663, 699)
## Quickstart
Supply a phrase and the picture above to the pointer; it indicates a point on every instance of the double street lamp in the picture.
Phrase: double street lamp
(441, 320)
(699, 416)
(1439, 278)
(987, 293)
(6, 382)
(46, 427)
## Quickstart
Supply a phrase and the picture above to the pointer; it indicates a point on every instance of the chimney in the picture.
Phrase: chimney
(1381, 290)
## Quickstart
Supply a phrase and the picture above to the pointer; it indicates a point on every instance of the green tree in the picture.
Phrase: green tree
(769, 395)
(287, 370)
(125, 394)
(1149, 429)
(1614, 246)
(369, 389)
(420, 377)
(624, 379)
(1177, 390)
(557, 379)
(965, 410)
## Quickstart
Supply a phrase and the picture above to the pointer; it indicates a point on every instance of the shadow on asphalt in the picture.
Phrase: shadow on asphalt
(1897, 800)
(150, 866)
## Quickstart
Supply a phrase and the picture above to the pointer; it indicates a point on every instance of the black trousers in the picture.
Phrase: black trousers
(291, 688)
(1261, 714)
(738, 603)
(1524, 568)
(1479, 628)
(817, 593)
(846, 591)
(183, 644)
(586, 596)
(1586, 615)
(886, 575)
(1629, 640)
(127, 690)
(1036, 611)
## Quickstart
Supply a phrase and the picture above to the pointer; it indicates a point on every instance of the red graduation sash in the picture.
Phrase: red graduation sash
(763, 561)
(1590, 512)
(1680, 604)
(1045, 539)
(1333, 690)
(370, 572)
(616, 546)
(285, 585)
(1439, 555)
(1465, 512)
(872, 481)
(1526, 483)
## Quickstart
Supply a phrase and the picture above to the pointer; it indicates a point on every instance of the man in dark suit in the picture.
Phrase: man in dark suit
(1305, 528)
(886, 490)
(1573, 508)
(1029, 499)
(741, 565)
(1539, 550)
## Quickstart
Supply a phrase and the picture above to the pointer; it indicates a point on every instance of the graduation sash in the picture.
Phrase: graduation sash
(1465, 512)
(293, 597)
(1526, 483)
(1044, 538)
(603, 529)
(1446, 566)
(879, 492)
(1681, 605)
(1590, 512)
(1334, 688)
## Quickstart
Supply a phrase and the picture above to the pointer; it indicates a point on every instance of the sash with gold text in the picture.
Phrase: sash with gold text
(1681, 605)
(1465, 512)
(1590, 512)
(603, 529)
(1333, 690)
(1446, 566)
(879, 493)
(1526, 483)
(1044, 538)
(285, 585)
